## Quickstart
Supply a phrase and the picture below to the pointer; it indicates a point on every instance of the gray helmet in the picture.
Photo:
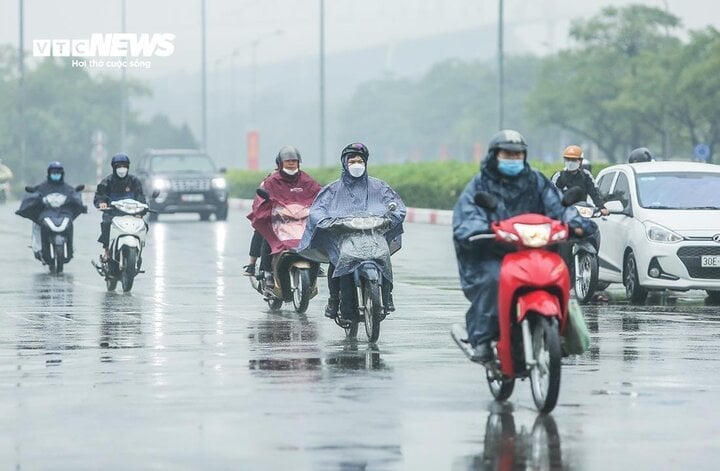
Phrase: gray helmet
(641, 154)
(508, 140)
(288, 153)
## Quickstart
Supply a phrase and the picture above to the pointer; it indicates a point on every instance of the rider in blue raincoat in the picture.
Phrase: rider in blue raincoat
(519, 189)
(353, 193)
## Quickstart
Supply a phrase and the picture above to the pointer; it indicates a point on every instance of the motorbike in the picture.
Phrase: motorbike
(584, 253)
(533, 299)
(52, 215)
(127, 240)
(294, 276)
(364, 291)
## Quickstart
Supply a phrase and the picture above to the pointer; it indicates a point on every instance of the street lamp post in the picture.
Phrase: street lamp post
(501, 71)
(322, 83)
(21, 87)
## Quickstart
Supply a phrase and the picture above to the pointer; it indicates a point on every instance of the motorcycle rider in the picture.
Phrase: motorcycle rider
(116, 186)
(641, 154)
(54, 183)
(506, 174)
(288, 184)
(354, 191)
(575, 176)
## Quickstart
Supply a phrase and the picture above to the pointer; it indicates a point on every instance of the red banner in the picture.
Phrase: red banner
(253, 150)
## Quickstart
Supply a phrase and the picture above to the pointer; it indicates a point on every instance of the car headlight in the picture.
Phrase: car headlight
(219, 183)
(658, 233)
(161, 184)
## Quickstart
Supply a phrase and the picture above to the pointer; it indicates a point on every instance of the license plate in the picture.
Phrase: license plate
(191, 198)
(710, 261)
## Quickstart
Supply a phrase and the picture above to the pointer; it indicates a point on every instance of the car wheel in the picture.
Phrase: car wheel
(635, 293)
(222, 214)
(713, 297)
(204, 216)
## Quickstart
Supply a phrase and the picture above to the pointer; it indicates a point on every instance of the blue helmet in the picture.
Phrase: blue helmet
(120, 160)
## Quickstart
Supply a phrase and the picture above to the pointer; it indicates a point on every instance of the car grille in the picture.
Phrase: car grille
(690, 256)
(190, 184)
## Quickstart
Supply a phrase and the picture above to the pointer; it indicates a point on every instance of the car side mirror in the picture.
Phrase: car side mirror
(222, 170)
(572, 196)
(155, 194)
(614, 207)
(262, 193)
(80, 188)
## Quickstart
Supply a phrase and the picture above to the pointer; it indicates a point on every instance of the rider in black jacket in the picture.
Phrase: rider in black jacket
(116, 186)
(575, 176)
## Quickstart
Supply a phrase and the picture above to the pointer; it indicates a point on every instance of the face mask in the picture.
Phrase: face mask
(356, 170)
(121, 172)
(509, 167)
(291, 172)
(56, 177)
(572, 165)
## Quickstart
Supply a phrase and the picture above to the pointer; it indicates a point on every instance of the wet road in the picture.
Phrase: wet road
(191, 371)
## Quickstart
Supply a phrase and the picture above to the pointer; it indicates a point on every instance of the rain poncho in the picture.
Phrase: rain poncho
(479, 261)
(281, 219)
(32, 206)
(350, 196)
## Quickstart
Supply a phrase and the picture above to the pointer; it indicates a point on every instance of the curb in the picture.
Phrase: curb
(440, 217)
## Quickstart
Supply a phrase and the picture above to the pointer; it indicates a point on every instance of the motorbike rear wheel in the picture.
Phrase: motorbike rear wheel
(127, 277)
(274, 304)
(586, 275)
(372, 308)
(545, 374)
(300, 285)
(500, 388)
(111, 283)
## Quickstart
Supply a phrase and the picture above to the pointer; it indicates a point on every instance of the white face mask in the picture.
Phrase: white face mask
(121, 172)
(572, 165)
(291, 172)
(356, 170)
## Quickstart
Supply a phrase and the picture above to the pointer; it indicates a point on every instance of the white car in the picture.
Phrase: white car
(663, 230)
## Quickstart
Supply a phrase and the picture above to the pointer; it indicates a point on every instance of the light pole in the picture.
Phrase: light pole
(204, 78)
(501, 71)
(21, 86)
(123, 90)
(322, 83)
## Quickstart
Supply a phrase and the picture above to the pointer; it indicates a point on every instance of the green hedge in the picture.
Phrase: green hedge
(421, 185)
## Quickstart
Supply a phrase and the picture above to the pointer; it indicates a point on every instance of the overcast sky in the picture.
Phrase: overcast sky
(350, 24)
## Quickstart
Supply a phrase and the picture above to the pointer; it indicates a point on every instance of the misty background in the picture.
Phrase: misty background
(385, 63)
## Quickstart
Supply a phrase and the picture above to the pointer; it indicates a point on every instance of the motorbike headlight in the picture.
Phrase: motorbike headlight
(585, 211)
(533, 235)
(161, 184)
(658, 233)
(219, 183)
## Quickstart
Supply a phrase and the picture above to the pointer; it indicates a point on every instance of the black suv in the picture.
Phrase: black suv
(187, 181)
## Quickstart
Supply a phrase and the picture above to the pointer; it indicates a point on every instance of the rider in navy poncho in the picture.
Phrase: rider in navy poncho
(353, 193)
(518, 189)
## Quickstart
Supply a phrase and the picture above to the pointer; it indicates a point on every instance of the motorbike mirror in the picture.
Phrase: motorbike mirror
(572, 196)
(222, 170)
(155, 194)
(262, 193)
(80, 188)
(392, 206)
(485, 200)
(30, 189)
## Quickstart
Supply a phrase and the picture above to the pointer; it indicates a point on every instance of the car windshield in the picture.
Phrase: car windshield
(182, 164)
(679, 190)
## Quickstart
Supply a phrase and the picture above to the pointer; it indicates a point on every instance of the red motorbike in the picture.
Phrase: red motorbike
(533, 297)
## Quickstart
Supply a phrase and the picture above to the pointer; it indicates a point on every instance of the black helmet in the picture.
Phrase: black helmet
(120, 160)
(356, 148)
(288, 153)
(508, 140)
(641, 154)
(55, 167)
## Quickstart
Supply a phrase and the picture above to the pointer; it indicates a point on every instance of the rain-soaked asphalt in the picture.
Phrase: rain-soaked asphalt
(190, 371)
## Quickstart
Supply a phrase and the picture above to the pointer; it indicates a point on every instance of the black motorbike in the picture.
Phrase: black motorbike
(364, 291)
(584, 253)
(53, 215)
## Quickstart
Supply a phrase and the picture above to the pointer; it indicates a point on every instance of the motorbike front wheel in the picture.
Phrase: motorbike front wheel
(586, 275)
(545, 374)
(59, 257)
(130, 269)
(372, 308)
(300, 278)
